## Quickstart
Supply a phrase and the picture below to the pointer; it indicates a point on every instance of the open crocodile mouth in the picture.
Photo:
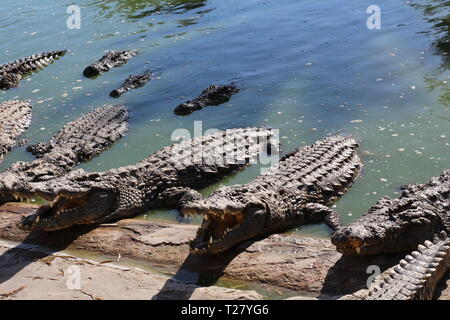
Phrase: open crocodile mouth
(352, 246)
(216, 230)
(65, 210)
(56, 208)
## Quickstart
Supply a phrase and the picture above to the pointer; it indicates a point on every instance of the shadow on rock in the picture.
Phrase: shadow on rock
(36, 246)
(442, 292)
(352, 273)
(200, 270)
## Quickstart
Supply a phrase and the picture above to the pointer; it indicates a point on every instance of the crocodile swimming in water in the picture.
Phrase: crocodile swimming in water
(399, 225)
(293, 193)
(164, 179)
(15, 117)
(109, 60)
(212, 96)
(415, 277)
(76, 142)
(132, 82)
(11, 73)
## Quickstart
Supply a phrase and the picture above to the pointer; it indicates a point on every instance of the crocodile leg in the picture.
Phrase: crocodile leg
(176, 197)
(317, 213)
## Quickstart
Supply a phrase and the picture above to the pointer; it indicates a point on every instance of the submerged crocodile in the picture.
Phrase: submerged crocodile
(399, 225)
(77, 142)
(110, 60)
(294, 192)
(415, 277)
(132, 82)
(15, 117)
(11, 73)
(164, 179)
(212, 96)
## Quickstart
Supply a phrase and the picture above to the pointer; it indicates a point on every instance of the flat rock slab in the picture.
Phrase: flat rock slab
(62, 276)
(309, 266)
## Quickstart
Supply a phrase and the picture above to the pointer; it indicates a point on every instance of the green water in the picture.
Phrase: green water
(309, 68)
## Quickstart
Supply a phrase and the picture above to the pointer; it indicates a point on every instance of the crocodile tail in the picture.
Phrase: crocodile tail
(417, 275)
(14, 120)
(31, 63)
(87, 136)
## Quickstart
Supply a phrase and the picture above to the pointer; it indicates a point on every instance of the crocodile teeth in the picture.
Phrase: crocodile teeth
(358, 249)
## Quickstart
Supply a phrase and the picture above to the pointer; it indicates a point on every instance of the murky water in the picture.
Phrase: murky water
(309, 68)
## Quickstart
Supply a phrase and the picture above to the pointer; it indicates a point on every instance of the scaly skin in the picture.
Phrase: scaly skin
(15, 117)
(212, 96)
(12, 73)
(399, 225)
(164, 179)
(415, 277)
(110, 60)
(132, 82)
(77, 142)
(295, 192)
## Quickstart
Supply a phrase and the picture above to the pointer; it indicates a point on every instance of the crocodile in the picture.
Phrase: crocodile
(415, 277)
(109, 60)
(11, 73)
(294, 192)
(132, 82)
(15, 117)
(76, 142)
(212, 96)
(399, 225)
(166, 179)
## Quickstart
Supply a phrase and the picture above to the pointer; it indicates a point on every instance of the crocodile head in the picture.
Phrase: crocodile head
(227, 221)
(77, 198)
(391, 226)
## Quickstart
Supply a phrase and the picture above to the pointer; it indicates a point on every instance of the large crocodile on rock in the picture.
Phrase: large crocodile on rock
(164, 179)
(293, 193)
(132, 82)
(399, 225)
(212, 96)
(109, 60)
(15, 117)
(11, 73)
(415, 277)
(76, 142)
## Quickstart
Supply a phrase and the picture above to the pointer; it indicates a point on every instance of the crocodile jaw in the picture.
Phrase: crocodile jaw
(388, 236)
(64, 211)
(224, 226)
